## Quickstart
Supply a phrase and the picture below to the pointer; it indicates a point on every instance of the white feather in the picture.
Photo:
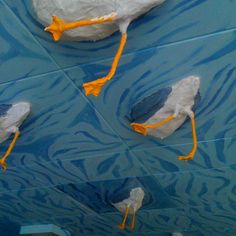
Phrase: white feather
(180, 100)
(74, 10)
(12, 120)
(134, 201)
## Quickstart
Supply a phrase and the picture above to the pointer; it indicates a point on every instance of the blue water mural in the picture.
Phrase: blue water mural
(78, 154)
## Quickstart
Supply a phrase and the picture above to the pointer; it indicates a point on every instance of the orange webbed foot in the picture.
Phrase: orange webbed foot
(94, 87)
(57, 28)
(121, 226)
(3, 164)
(139, 128)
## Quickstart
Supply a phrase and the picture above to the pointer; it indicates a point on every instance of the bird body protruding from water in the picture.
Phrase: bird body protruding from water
(83, 20)
(165, 111)
(130, 205)
(11, 118)
(77, 10)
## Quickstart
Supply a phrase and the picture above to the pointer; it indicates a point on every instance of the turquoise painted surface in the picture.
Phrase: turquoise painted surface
(77, 153)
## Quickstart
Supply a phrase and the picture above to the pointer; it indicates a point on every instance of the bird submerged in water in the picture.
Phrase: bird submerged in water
(130, 205)
(163, 112)
(11, 118)
(82, 20)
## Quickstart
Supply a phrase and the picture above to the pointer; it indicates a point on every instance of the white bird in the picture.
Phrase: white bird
(11, 118)
(130, 205)
(163, 112)
(97, 19)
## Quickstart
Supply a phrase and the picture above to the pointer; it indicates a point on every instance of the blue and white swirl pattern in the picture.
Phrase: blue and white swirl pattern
(76, 154)
(20, 54)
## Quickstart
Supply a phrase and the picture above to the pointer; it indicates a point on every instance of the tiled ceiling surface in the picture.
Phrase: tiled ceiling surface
(77, 154)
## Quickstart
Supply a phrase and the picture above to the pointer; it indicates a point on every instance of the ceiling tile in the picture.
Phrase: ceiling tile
(20, 54)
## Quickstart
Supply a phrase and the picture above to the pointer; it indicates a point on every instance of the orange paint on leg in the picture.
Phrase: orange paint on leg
(9, 150)
(194, 149)
(142, 128)
(95, 87)
(133, 221)
(59, 26)
(122, 225)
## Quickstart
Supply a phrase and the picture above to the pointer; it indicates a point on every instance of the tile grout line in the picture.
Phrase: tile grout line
(39, 76)
(66, 160)
(187, 144)
(226, 167)
(123, 152)
(143, 50)
(103, 215)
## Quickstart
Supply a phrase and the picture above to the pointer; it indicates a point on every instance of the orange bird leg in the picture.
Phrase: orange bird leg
(122, 225)
(95, 86)
(133, 221)
(58, 26)
(194, 149)
(8, 152)
(142, 128)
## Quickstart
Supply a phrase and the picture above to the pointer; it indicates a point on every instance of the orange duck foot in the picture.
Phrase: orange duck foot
(94, 87)
(139, 128)
(3, 164)
(57, 28)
